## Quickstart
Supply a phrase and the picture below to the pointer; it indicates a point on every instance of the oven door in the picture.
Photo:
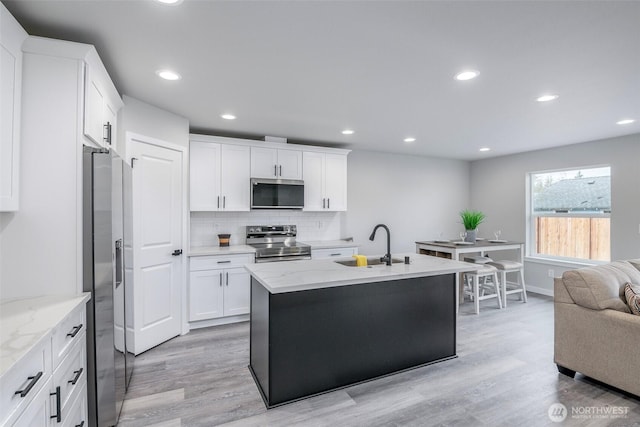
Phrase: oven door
(277, 194)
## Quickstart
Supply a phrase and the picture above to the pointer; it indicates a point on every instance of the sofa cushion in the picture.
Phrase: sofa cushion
(602, 286)
(632, 293)
(635, 263)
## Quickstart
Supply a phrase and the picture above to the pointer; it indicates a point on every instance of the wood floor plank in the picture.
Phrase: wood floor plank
(504, 376)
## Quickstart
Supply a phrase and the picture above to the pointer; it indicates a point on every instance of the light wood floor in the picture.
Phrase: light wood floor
(504, 376)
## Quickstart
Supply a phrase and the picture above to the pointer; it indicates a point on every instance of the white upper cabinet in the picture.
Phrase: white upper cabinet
(11, 37)
(219, 177)
(276, 163)
(100, 109)
(325, 181)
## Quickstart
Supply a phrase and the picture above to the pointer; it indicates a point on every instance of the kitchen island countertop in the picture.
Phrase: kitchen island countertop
(280, 277)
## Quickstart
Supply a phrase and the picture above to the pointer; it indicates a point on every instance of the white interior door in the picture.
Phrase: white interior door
(157, 233)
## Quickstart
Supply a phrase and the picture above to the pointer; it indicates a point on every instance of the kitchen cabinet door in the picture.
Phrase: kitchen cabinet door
(336, 182)
(313, 173)
(276, 163)
(264, 162)
(236, 291)
(206, 294)
(204, 177)
(11, 37)
(100, 113)
(235, 177)
(289, 164)
(325, 181)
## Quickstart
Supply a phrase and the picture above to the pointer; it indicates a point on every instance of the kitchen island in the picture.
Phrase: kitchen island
(319, 325)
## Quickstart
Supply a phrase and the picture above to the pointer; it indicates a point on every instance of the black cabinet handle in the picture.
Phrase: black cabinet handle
(323, 203)
(224, 262)
(58, 416)
(177, 252)
(224, 202)
(280, 170)
(81, 424)
(34, 379)
(328, 203)
(75, 331)
(75, 379)
(275, 170)
(218, 202)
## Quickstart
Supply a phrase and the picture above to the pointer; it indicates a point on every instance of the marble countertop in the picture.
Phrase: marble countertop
(280, 277)
(328, 244)
(24, 323)
(225, 250)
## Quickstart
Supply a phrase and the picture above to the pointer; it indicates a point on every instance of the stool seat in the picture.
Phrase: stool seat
(477, 259)
(508, 266)
(478, 280)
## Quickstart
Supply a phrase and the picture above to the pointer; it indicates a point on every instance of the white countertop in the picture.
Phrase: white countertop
(329, 244)
(291, 276)
(224, 250)
(24, 323)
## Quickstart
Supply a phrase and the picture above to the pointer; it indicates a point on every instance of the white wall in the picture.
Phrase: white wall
(145, 119)
(416, 197)
(498, 189)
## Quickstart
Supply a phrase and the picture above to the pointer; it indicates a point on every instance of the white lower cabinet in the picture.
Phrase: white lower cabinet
(219, 286)
(48, 385)
(327, 253)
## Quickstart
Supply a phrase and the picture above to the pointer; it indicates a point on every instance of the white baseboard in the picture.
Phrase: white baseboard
(219, 321)
(539, 290)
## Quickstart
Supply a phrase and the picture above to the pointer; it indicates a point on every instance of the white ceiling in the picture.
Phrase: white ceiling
(306, 70)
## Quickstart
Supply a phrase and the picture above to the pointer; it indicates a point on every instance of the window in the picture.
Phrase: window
(570, 214)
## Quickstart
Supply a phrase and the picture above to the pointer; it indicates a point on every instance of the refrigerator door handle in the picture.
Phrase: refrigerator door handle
(119, 263)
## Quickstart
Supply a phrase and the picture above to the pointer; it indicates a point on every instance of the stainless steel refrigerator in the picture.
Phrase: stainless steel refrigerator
(103, 276)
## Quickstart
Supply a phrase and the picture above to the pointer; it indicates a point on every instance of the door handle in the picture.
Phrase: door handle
(177, 252)
(275, 170)
(227, 273)
(58, 415)
(323, 203)
(280, 170)
(218, 202)
(224, 202)
(221, 278)
(328, 203)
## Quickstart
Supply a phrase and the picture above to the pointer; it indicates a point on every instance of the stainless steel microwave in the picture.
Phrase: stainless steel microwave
(277, 193)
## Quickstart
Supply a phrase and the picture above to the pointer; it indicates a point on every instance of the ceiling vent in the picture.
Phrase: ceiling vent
(275, 139)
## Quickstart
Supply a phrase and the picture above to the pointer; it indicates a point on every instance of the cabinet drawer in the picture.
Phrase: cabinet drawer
(215, 262)
(333, 253)
(76, 415)
(28, 376)
(71, 375)
(67, 333)
(38, 412)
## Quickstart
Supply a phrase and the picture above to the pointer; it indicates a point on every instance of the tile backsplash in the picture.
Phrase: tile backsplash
(205, 226)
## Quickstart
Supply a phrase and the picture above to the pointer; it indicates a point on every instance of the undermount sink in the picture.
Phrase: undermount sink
(371, 261)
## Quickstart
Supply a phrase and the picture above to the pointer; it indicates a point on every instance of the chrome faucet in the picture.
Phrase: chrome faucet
(387, 257)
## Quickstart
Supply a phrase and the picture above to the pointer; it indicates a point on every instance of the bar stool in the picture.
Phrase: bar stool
(478, 281)
(504, 267)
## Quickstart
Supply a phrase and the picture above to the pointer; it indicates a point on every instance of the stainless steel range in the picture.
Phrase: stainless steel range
(276, 243)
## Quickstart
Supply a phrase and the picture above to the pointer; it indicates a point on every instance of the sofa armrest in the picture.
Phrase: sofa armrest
(601, 344)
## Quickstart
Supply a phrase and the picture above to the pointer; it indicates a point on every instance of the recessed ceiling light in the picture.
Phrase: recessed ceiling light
(410, 139)
(168, 75)
(546, 98)
(467, 75)
(347, 132)
(625, 122)
(228, 116)
(171, 2)
(483, 149)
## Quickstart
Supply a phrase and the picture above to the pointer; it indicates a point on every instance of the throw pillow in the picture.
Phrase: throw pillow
(632, 293)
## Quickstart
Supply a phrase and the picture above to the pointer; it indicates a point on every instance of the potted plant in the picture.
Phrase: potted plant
(471, 220)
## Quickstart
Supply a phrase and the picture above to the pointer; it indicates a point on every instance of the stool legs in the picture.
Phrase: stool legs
(522, 287)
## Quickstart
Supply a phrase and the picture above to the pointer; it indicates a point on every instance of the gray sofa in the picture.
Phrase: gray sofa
(595, 332)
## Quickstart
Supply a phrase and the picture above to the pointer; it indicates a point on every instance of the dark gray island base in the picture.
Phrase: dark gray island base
(313, 341)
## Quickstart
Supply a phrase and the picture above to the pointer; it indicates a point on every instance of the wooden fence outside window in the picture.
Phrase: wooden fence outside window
(586, 238)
